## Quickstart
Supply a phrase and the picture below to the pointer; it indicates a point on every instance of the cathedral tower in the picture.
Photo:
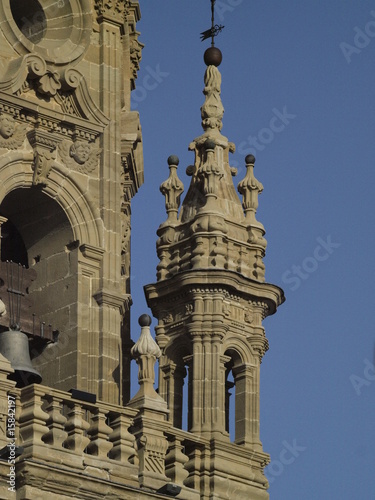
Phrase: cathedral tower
(210, 300)
(70, 162)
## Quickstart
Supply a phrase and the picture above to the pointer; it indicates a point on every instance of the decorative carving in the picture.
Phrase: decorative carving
(226, 310)
(125, 250)
(209, 170)
(43, 160)
(115, 9)
(79, 155)
(44, 154)
(152, 450)
(250, 188)
(49, 83)
(168, 318)
(72, 78)
(189, 308)
(212, 110)
(248, 316)
(135, 53)
(12, 135)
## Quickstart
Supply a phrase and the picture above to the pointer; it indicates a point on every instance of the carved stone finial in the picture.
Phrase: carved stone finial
(172, 189)
(145, 351)
(212, 110)
(250, 188)
(209, 170)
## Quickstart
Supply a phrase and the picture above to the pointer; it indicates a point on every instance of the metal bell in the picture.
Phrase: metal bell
(14, 346)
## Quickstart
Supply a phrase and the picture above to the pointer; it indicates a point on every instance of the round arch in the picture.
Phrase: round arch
(84, 218)
(239, 350)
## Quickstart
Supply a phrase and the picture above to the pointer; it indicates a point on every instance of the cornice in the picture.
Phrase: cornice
(210, 279)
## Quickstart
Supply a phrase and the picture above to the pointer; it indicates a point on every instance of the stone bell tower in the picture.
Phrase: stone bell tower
(70, 162)
(210, 300)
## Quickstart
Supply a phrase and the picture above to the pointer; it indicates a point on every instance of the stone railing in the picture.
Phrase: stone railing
(98, 440)
(107, 450)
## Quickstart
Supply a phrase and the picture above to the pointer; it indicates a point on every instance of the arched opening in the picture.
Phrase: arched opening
(36, 233)
(230, 398)
(12, 245)
(30, 19)
(240, 395)
(175, 386)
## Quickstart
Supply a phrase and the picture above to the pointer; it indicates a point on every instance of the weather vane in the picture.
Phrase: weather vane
(215, 28)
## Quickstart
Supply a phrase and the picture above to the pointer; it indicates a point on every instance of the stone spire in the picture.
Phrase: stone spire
(210, 299)
(213, 229)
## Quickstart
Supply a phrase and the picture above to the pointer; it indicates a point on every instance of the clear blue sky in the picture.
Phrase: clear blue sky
(313, 63)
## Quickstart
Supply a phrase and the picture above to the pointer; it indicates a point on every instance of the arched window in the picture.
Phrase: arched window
(38, 235)
(175, 387)
(241, 399)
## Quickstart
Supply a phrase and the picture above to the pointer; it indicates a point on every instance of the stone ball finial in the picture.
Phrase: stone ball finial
(250, 159)
(173, 160)
(213, 57)
(144, 320)
(209, 144)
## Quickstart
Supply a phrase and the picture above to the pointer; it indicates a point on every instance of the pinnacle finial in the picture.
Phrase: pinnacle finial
(213, 57)
(172, 189)
(145, 345)
(250, 188)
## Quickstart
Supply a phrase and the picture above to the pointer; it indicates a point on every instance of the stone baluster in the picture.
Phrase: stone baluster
(56, 423)
(175, 462)
(76, 427)
(162, 267)
(99, 431)
(123, 442)
(32, 421)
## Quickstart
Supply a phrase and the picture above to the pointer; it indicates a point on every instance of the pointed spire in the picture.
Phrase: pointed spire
(213, 229)
(212, 110)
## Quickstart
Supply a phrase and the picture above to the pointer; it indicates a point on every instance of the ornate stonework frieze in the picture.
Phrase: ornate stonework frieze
(115, 9)
(135, 53)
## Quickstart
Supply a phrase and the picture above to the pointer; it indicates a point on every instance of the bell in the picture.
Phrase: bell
(14, 345)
